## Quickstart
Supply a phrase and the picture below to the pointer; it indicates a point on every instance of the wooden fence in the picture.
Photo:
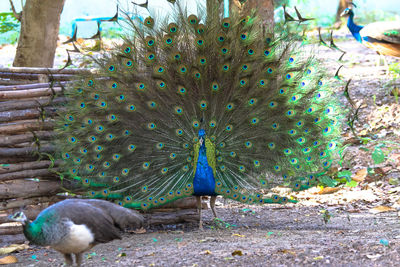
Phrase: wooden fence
(29, 99)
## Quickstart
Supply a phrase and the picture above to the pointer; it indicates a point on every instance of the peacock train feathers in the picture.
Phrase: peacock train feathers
(200, 105)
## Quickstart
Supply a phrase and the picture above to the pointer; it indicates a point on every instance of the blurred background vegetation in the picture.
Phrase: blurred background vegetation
(323, 11)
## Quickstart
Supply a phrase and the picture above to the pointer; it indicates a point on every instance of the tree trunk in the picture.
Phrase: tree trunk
(211, 11)
(343, 4)
(40, 23)
(265, 11)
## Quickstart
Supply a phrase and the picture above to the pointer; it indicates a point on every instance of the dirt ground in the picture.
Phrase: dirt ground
(361, 226)
(255, 236)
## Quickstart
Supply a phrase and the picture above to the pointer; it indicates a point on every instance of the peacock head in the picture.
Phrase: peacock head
(18, 217)
(202, 135)
(347, 12)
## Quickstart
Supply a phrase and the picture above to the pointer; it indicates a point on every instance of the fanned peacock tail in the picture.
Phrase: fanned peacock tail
(259, 105)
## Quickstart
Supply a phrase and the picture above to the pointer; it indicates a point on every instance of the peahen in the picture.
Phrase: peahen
(383, 37)
(198, 105)
(76, 225)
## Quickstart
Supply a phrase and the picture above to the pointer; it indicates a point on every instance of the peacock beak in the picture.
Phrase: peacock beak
(345, 12)
(201, 141)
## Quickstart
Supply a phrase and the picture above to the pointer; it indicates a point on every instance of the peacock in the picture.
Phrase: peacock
(74, 226)
(201, 105)
(383, 37)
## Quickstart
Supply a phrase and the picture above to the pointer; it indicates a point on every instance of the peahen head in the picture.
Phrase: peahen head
(18, 217)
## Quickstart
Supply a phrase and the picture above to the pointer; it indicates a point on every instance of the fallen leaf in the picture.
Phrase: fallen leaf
(238, 235)
(237, 253)
(328, 190)
(395, 158)
(380, 209)
(374, 257)
(208, 239)
(319, 258)
(393, 181)
(287, 251)
(139, 231)
(12, 248)
(182, 244)
(207, 252)
(360, 175)
(354, 210)
(8, 260)
(380, 171)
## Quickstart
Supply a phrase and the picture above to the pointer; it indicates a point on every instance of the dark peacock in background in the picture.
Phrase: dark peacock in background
(383, 36)
(76, 225)
(200, 105)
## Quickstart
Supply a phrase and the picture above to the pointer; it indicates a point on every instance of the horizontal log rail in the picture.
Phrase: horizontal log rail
(11, 168)
(29, 86)
(45, 70)
(12, 105)
(25, 126)
(12, 140)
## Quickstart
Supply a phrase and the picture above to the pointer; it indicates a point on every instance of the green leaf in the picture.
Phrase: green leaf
(328, 181)
(351, 184)
(378, 156)
(381, 145)
(365, 140)
(346, 174)
(370, 171)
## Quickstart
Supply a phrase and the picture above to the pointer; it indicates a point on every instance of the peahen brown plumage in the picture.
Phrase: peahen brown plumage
(76, 225)
(200, 105)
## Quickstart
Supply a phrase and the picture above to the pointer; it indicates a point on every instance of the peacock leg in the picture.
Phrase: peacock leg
(78, 259)
(212, 205)
(68, 259)
(198, 198)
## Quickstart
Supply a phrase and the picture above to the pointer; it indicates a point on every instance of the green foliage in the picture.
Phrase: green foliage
(377, 155)
(112, 32)
(380, 153)
(351, 184)
(328, 181)
(326, 215)
(8, 22)
(279, 3)
(220, 224)
(9, 28)
(393, 85)
(369, 16)
(345, 174)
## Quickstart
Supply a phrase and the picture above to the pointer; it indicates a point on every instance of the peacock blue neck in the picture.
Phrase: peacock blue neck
(354, 28)
(204, 180)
